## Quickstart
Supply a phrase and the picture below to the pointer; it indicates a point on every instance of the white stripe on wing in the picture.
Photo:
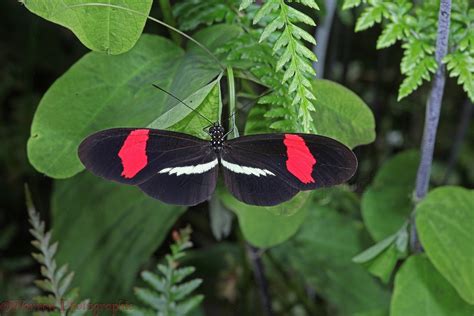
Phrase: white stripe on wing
(246, 170)
(197, 169)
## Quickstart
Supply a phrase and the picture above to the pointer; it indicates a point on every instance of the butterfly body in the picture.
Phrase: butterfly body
(178, 168)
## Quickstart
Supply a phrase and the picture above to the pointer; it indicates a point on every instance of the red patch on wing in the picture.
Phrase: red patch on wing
(300, 160)
(133, 153)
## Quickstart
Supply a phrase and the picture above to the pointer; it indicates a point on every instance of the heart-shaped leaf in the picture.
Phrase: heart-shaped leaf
(101, 25)
(421, 290)
(445, 223)
(342, 115)
(268, 226)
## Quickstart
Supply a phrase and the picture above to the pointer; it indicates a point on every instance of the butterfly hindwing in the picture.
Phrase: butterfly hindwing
(173, 167)
(268, 169)
(177, 168)
(188, 184)
(251, 181)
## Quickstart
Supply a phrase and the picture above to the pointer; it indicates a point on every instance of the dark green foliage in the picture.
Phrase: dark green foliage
(415, 26)
(193, 13)
(328, 240)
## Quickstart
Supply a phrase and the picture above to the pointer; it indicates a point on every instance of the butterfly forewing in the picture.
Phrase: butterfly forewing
(269, 169)
(177, 168)
(173, 167)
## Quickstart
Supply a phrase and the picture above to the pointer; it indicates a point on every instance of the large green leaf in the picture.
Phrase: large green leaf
(100, 28)
(387, 203)
(107, 231)
(342, 115)
(268, 226)
(445, 222)
(421, 290)
(320, 254)
(101, 91)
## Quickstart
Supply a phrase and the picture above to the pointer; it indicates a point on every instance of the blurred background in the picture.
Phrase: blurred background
(34, 53)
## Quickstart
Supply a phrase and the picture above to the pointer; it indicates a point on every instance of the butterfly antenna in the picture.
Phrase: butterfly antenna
(181, 101)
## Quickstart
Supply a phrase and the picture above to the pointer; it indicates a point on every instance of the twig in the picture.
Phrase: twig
(464, 120)
(259, 273)
(433, 108)
(322, 38)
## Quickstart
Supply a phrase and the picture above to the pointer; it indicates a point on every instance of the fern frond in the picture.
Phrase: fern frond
(309, 3)
(293, 57)
(167, 293)
(370, 16)
(461, 65)
(56, 280)
(261, 63)
(244, 4)
(349, 4)
(421, 71)
(415, 27)
(391, 33)
(414, 52)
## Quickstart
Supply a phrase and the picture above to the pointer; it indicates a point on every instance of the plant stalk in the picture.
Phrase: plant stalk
(433, 106)
(322, 38)
(433, 109)
(232, 109)
(168, 17)
(260, 278)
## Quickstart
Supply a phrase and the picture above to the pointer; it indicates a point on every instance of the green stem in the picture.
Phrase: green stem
(231, 86)
(169, 19)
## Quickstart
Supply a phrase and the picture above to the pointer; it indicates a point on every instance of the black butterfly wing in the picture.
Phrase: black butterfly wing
(268, 169)
(188, 184)
(252, 182)
(173, 167)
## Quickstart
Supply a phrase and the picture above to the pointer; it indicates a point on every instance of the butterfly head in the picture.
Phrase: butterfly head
(216, 131)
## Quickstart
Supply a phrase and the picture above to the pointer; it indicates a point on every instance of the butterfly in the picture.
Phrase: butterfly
(177, 168)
